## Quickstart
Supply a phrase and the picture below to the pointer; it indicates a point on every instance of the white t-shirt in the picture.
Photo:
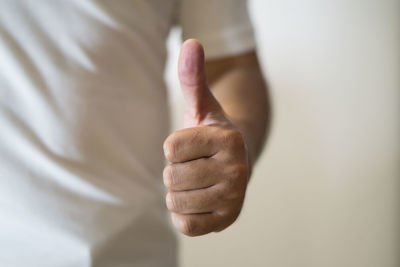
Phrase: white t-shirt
(83, 114)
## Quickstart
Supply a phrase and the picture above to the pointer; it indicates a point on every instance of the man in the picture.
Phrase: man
(83, 115)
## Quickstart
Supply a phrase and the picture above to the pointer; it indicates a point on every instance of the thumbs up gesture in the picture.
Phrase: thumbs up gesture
(208, 171)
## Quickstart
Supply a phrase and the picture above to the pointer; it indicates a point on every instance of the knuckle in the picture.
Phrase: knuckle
(235, 197)
(236, 183)
(175, 203)
(238, 174)
(171, 148)
(169, 176)
(240, 171)
(234, 139)
(172, 203)
(227, 217)
(188, 227)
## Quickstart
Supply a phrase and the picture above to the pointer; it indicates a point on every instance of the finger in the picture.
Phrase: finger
(195, 174)
(195, 201)
(200, 224)
(200, 102)
(191, 143)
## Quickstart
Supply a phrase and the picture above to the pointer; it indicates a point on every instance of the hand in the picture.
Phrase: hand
(208, 171)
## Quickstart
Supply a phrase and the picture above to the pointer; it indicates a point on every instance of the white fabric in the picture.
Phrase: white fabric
(223, 26)
(83, 114)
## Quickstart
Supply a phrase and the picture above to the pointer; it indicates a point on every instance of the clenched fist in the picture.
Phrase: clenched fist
(208, 171)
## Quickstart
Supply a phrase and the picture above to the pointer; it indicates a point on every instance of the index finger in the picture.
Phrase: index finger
(191, 143)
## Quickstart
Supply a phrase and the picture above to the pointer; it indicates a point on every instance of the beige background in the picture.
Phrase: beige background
(326, 190)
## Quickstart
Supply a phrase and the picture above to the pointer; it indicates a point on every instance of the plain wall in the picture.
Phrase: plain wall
(326, 190)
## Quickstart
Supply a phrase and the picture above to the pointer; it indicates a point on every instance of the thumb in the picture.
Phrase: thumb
(201, 106)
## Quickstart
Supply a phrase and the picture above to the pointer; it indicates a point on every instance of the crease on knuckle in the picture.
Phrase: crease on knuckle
(188, 227)
(236, 184)
(167, 176)
(234, 139)
(179, 202)
(172, 203)
(170, 176)
(238, 175)
(171, 148)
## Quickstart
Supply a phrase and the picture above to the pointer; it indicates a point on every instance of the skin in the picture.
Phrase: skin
(226, 119)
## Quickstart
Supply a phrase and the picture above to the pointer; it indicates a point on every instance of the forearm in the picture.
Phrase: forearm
(242, 92)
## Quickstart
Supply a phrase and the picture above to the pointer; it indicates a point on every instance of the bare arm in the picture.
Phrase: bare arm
(225, 122)
(238, 85)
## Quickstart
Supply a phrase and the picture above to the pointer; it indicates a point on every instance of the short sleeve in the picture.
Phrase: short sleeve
(222, 26)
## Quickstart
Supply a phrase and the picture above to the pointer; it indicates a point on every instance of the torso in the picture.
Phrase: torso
(83, 114)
